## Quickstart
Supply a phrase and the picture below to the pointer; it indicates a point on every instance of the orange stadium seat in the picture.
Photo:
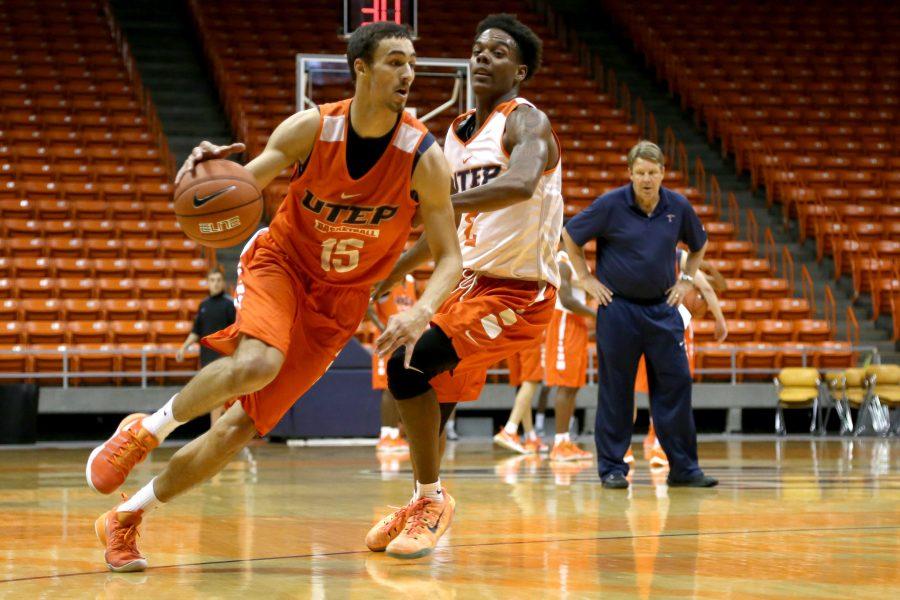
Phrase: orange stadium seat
(131, 332)
(192, 288)
(33, 287)
(155, 288)
(791, 309)
(87, 332)
(41, 309)
(45, 332)
(171, 332)
(163, 309)
(123, 309)
(31, 267)
(75, 287)
(755, 308)
(9, 310)
(110, 288)
(81, 309)
(811, 330)
(150, 267)
(773, 331)
(94, 358)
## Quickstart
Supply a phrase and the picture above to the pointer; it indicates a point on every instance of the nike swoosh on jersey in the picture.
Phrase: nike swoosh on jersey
(198, 202)
(345, 196)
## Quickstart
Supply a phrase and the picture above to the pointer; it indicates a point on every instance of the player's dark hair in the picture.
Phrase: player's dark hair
(363, 41)
(216, 269)
(530, 46)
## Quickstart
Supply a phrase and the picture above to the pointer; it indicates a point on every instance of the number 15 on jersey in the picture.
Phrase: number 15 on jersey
(340, 255)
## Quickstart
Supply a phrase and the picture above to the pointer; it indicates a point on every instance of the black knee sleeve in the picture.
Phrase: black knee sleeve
(433, 354)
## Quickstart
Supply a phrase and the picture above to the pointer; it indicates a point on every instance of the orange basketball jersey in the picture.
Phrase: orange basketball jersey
(346, 231)
(400, 298)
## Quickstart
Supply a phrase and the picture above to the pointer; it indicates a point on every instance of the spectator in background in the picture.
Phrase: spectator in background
(216, 312)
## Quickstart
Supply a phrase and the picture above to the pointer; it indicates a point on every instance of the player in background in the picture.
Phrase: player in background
(706, 282)
(566, 357)
(381, 309)
(506, 161)
(526, 371)
(363, 170)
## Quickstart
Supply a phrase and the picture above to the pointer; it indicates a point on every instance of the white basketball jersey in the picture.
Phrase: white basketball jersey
(577, 291)
(516, 242)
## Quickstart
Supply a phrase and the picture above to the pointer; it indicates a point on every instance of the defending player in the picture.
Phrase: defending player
(566, 364)
(506, 162)
(381, 309)
(363, 170)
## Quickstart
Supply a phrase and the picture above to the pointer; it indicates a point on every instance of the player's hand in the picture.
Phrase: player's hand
(403, 329)
(206, 151)
(721, 331)
(179, 356)
(596, 289)
(678, 291)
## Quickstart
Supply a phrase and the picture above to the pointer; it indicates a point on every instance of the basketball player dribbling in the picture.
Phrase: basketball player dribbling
(364, 169)
(506, 163)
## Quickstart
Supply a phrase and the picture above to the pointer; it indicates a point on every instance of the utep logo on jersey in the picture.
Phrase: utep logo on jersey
(347, 218)
(474, 177)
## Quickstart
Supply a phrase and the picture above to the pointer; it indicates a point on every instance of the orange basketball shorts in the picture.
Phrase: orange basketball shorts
(489, 319)
(566, 350)
(527, 365)
(379, 372)
(640, 381)
(309, 322)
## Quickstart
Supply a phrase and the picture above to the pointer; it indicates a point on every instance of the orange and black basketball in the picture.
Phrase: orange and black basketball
(695, 303)
(219, 204)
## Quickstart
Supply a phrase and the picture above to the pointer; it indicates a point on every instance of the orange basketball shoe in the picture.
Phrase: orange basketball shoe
(385, 530)
(569, 450)
(650, 439)
(510, 441)
(535, 446)
(110, 463)
(426, 522)
(118, 532)
(629, 456)
(657, 456)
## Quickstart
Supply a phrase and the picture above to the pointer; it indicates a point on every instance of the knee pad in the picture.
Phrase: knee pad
(432, 355)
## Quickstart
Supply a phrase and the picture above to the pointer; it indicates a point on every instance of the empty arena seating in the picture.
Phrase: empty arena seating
(811, 111)
(88, 239)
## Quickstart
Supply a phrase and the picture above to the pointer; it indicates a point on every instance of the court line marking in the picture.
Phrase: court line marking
(487, 544)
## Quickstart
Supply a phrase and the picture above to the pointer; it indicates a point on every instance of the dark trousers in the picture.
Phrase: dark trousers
(625, 331)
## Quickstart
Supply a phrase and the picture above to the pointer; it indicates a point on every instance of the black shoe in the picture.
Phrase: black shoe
(614, 481)
(700, 481)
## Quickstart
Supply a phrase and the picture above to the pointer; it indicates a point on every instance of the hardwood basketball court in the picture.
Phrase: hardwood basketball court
(792, 518)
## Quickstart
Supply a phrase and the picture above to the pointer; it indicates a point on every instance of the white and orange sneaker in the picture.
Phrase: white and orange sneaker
(657, 457)
(629, 456)
(536, 446)
(426, 522)
(389, 445)
(510, 441)
(118, 532)
(568, 450)
(385, 530)
(110, 463)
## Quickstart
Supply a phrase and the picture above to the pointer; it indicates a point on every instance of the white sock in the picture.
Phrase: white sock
(145, 499)
(531, 435)
(451, 425)
(385, 431)
(560, 438)
(430, 490)
(394, 432)
(539, 421)
(510, 428)
(162, 422)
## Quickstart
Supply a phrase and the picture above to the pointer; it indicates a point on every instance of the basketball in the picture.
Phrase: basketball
(219, 204)
(694, 302)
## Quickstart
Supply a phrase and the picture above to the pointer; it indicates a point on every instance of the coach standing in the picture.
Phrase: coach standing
(637, 228)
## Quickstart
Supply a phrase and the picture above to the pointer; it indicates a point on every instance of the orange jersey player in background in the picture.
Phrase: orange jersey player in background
(364, 169)
(381, 309)
(526, 371)
(706, 282)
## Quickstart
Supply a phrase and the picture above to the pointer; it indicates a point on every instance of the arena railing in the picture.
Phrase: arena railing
(147, 355)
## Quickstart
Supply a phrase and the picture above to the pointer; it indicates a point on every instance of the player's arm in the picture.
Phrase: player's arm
(568, 300)
(291, 142)
(712, 301)
(591, 284)
(528, 137)
(431, 181)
